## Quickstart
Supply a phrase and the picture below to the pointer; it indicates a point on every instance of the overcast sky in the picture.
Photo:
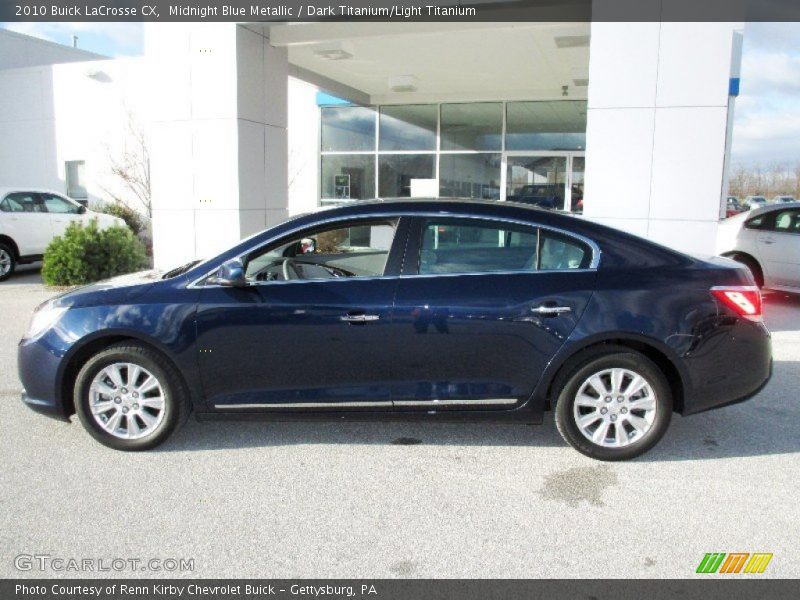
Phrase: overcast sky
(767, 115)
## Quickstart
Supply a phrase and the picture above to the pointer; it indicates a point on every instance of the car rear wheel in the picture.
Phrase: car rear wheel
(129, 397)
(613, 404)
(8, 262)
(752, 266)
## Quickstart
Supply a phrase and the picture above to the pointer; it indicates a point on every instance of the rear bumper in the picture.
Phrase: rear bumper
(733, 370)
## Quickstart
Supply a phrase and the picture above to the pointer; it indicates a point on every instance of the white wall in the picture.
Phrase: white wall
(219, 170)
(18, 50)
(75, 111)
(656, 129)
(304, 160)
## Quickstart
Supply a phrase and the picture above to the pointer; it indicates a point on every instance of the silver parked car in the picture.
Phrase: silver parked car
(767, 240)
(783, 199)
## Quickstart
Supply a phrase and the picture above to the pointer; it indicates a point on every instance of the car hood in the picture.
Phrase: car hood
(117, 290)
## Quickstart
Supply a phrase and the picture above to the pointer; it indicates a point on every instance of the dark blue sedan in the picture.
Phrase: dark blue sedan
(424, 309)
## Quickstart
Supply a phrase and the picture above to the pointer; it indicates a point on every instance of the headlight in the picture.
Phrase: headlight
(43, 319)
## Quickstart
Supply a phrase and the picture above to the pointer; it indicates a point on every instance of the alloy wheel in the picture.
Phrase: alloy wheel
(5, 262)
(127, 400)
(615, 407)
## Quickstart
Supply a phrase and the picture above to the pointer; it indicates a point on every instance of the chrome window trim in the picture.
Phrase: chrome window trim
(593, 265)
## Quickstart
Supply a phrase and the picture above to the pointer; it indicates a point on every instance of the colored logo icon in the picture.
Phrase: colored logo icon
(734, 562)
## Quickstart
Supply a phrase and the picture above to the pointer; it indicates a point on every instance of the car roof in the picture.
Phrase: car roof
(4, 191)
(770, 208)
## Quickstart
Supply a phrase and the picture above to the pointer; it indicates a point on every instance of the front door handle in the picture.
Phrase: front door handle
(551, 311)
(768, 241)
(359, 318)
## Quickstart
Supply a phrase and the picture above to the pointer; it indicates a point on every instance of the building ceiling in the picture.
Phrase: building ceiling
(430, 62)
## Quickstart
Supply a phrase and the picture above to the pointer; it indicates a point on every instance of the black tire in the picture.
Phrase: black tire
(176, 404)
(572, 378)
(753, 267)
(7, 251)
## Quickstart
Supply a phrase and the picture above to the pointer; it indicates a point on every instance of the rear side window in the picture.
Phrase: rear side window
(22, 202)
(58, 205)
(474, 246)
(471, 246)
(558, 252)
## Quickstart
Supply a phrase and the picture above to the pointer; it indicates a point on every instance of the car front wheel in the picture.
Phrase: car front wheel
(7, 262)
(128, 397)
(613, 404)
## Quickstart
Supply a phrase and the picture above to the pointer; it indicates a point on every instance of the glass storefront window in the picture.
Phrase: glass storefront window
(556, 125)
(477, 126)
(348, 176)
(408, 127)
(537, 180)
(347, 128)
(469, 176)
(578, 169)
(395, 172)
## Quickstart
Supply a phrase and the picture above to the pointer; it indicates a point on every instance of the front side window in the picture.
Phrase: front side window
(58, 205)
(759, 222)
(787, 221)
(354, 250)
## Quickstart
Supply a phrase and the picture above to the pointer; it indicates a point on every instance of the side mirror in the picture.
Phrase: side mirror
(81, 210)
(230, 274)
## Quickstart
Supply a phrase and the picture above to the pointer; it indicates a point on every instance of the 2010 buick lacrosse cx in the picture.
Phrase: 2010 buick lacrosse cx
(437, 310)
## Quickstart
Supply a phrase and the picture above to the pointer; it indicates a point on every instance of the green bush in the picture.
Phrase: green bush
(132, 219)
(86, 254)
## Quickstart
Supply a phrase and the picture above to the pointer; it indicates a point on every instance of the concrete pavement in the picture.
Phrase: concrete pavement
(403, 499)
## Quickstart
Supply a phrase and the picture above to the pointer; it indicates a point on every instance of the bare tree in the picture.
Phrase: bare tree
(773, 180)
(132, 168)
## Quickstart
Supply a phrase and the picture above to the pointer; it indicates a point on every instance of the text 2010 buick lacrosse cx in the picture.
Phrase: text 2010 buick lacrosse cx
(425, 309)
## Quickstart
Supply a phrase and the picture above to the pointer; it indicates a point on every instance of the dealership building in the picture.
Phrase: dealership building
(243, 125)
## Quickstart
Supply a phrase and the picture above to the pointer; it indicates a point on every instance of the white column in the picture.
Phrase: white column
(656, 129)
(218, 137)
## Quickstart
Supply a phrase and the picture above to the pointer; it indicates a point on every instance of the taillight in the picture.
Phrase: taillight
(745, 300)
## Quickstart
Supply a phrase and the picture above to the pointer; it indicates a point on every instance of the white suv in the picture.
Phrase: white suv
(29, 219)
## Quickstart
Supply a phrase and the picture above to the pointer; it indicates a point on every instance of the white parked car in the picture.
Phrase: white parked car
(783, 199)
(30, 218)
(767, 240)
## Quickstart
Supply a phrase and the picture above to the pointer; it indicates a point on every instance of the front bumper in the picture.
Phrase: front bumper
(38, 362)
(44, 407)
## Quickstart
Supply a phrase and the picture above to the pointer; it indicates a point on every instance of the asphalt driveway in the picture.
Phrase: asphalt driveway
(408, 500)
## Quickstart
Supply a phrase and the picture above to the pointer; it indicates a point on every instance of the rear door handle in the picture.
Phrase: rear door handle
(359, 318)
(768, 240)
(551, 311)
